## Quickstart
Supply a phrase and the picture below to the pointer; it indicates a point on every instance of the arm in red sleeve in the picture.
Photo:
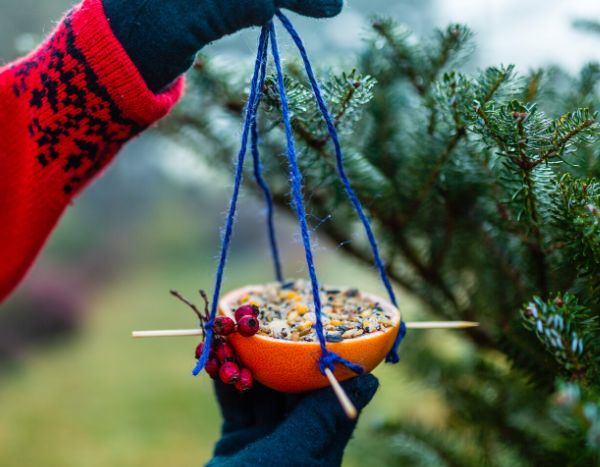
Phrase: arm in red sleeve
(65, 110)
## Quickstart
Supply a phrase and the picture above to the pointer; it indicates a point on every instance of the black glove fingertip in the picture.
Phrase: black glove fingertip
(313, 8)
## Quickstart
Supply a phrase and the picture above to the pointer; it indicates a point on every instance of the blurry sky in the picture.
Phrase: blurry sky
(528, 33)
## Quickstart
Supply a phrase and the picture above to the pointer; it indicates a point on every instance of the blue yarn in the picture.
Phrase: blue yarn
(328, 359)
(393, 355)
(258, 173)
(239, 171)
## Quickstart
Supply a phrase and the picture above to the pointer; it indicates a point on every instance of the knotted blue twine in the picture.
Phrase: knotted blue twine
(393, 354)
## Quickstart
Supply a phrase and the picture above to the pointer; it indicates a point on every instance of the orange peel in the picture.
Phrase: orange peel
(293, 367)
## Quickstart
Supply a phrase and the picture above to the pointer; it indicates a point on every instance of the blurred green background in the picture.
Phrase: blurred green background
(75, 389)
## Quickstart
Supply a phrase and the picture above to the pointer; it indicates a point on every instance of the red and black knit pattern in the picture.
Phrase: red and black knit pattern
(67, 108)
(74, 121)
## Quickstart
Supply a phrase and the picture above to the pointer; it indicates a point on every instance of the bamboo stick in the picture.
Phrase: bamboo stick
(168, 333)
(343, 398)
(409, 325)
(441, 324)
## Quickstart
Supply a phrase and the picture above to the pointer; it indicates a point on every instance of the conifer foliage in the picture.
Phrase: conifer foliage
(484, 191)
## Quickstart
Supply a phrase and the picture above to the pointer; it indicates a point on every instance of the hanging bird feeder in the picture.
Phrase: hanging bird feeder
(282, 364)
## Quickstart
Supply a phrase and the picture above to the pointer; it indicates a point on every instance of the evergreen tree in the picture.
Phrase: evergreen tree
(484, 191)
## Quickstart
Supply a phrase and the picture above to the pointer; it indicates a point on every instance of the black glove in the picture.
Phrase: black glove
(163, 36)
(268, 428)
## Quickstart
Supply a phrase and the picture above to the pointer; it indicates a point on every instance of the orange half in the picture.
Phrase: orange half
(290, 366)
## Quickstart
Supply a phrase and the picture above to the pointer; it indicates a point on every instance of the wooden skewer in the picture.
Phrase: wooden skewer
(345, 401)
(409, 325)
(343, 398)
(168, 333)
(441, 324)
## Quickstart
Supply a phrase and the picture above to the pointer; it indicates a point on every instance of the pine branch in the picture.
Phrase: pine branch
(568, 331)
(570, 126)
(577, 222)
(572, 402)
(396, 40)
(587, 25)
(536, 249)
(426, 188)
(452, 41)
(532, 86)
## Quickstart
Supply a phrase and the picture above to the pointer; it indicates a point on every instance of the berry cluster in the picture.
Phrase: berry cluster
(222, 360)
(222, 363)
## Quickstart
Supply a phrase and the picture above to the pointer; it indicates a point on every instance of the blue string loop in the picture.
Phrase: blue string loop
(251, 109)
(393, 355)
(260, 181)
(329, 359)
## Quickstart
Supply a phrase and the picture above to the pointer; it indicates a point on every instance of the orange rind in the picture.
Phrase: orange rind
(293, 367)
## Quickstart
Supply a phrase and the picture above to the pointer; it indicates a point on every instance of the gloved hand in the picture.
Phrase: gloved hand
(268, 428)
(163, 36)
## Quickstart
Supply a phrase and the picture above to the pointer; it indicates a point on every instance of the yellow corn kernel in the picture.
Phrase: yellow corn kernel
(301, 308)
(305, 325)
(290, 296)
(335, 322)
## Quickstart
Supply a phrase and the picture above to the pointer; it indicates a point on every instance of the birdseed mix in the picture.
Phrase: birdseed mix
(287, 312)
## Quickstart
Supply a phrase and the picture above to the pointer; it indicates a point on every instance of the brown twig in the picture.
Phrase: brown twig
(206, 302)
(177, 295)
(558, 146)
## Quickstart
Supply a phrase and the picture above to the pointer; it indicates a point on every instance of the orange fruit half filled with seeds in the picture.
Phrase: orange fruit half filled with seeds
(293, 365)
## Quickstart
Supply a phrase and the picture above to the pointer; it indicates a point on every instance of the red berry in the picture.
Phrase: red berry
(246, 310)
(199, 349)
(223, 326)
(246, 380)
(212, 367)
(224, 352)
(248, 326)
(229, 372)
